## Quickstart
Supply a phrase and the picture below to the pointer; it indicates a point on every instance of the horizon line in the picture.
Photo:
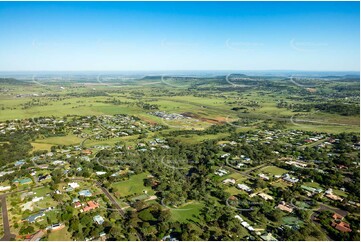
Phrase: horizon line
(179, 70)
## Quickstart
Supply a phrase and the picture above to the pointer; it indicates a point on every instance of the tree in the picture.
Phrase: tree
(26, 229)
(164, 215)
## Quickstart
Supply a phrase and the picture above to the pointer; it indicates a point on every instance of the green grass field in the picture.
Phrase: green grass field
(280, 184)
(61, 140)
(41, 146)
(273, 170)
(193, 139)
(133, 186)
(235, 175)
(42, 191)
(60, 235)
(312, 184)
(233, 190)
(339, 193)
(290, 220)
(187, 212)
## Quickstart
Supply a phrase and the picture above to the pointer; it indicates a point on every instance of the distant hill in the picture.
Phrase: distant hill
(13, 81)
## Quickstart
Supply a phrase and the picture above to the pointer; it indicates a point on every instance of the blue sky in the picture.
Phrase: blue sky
(179, 36)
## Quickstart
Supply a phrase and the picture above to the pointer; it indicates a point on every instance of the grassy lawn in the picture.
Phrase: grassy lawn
(61, 140)
(237, 176)
(312, 184)
(45, 203)
(60, 235)
(129, 139)
(274, 170)
(41, 146)
(192, 139)
(132, 186)
(280, 184)
(233, 190)
(187, 212)
(291, 221)
(339, 193)
(42, 191)
(302, 204)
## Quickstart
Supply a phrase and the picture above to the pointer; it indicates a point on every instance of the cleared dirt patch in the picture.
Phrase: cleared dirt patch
(208, 120)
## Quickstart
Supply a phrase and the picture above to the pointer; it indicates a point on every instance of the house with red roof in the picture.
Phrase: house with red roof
(90, 206)
(341, 226)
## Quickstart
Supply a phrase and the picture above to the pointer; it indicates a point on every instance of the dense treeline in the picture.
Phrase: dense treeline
(345, 109)
(14, 146)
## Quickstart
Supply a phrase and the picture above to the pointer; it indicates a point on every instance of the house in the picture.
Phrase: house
(268, 237)
(99, 173)
(169, 238)
(27, 206)
(352, 203)
(55, 227)
(90, 206)
(3, 173)
(77, 205)
(73, 185)
(247, 226)
(296, 164)
(22, 181)
(311, 189)
(69, 189)
(239, 165)
(34, 217)
(221, 172)
(19, 163)
(50, 154)
(290, 179)
(37, 199)
(337, 216)
(102, 236)
(263, 176)
(87, 152)
(58, 162)
(4, 188)
(285, 207)
(244, 187)
(334, 197)
(43, 177)
(329, 191)
(265, 196)
(229, 180)
(85, 193)
(341, 226)
(98, 219)
(239, 218)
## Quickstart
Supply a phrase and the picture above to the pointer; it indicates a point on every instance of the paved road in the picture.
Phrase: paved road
(324, 207)
(116, 205)
(111, 198)
(7, 233)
